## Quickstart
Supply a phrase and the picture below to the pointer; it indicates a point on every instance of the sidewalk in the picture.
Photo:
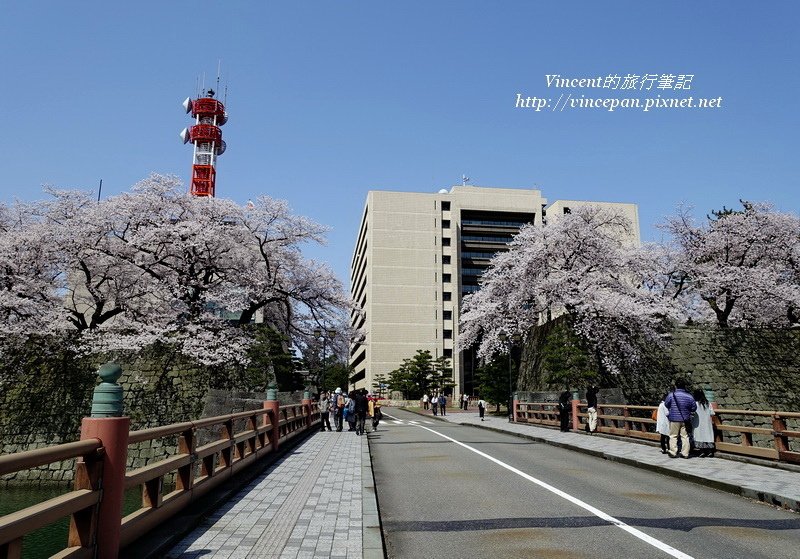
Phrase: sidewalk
(312, 503)
(776, 486)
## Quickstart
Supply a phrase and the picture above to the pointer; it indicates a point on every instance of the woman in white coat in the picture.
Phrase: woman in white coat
(702, 426)
(662, 426)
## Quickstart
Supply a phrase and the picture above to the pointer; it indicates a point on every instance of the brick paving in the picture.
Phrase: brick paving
(316, 502)
(775, 485)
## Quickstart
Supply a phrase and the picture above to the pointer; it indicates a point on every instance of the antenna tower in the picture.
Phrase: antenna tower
(206, 136)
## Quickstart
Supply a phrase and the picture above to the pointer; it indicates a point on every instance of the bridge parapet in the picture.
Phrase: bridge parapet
(773, 435)
(97, 527)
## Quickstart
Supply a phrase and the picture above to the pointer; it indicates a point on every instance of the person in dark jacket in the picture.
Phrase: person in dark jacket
(564, 405)
(362, 404)
(680, 407)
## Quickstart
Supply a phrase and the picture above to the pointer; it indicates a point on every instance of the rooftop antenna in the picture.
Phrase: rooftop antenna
(464, 180)
(219, 68)
(99, 190)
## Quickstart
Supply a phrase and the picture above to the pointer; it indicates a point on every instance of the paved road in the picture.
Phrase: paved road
(453, 491)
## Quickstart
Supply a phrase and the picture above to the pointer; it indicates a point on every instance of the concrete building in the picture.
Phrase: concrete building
(417, 255)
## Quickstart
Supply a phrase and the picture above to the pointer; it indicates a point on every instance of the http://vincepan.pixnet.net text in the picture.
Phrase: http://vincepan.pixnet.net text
(613, 92)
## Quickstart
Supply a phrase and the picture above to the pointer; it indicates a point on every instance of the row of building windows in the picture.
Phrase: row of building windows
(495, 223)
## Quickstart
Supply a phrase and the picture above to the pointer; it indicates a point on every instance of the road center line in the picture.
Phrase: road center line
(666, 548)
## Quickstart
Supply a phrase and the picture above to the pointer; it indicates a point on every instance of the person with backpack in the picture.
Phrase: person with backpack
(481, 408)
(680, 405)
(338, 411)
(350, 407)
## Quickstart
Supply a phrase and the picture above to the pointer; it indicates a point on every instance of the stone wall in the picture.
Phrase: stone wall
(46, 392)
(753, 369)
(745, 369)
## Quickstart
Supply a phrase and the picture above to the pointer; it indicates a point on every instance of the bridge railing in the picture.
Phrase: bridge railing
(773, 435)
(242, 439)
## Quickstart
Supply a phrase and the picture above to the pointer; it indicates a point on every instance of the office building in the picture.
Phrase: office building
(417, 255)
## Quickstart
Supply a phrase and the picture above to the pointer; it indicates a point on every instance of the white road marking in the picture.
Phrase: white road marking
(597, 512)
(428, 422)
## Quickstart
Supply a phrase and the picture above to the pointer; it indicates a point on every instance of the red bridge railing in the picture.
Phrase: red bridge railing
(773, 435)
(236, 441)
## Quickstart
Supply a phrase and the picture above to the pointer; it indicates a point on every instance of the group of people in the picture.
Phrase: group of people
(352, 408)
(437, 403)
(683, 420)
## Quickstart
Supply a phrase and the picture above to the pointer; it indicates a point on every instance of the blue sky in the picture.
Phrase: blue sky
(328, 100)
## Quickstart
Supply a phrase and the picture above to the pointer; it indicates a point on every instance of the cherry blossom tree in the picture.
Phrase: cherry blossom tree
(155, 264)
(582, 264)
(743, 265)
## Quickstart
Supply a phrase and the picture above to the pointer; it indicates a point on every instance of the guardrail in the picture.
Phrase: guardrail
(244, 438)
(735, 431)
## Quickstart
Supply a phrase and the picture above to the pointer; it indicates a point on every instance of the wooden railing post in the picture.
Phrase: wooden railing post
(515, 404)
(274, 406)
(112, 430)
(576, 425)
(307, 408)
(781, 441)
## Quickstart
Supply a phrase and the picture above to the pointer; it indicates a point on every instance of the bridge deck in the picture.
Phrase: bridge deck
(317, 501)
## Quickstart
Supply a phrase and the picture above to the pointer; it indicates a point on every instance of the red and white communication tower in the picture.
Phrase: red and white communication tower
(209, 115)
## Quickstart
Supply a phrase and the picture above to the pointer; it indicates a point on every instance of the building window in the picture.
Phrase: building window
(447, 334)
(446, 278)
(445, 241)
(447, 296)
(445, 224)
(448, 353)
(445, 259)
(446, 206)
(447, 315)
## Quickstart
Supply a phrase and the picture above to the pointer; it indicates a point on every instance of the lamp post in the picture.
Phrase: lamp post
(322, 335)
(511, 342)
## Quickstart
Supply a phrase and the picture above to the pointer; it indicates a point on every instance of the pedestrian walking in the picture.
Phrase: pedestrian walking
(434, 404)
(361, 406)
(375, 412)
(564, 405)
(325, 411)
(481, 408)
(662, 426)
(465, 400)
(591, 408)
(443, 404)
(702, 425)
(350, 406)
(338, 410)
(425, 401)
(680, 406)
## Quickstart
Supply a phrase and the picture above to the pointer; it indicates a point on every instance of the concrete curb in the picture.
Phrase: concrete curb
(768, 497)
(372, 546)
